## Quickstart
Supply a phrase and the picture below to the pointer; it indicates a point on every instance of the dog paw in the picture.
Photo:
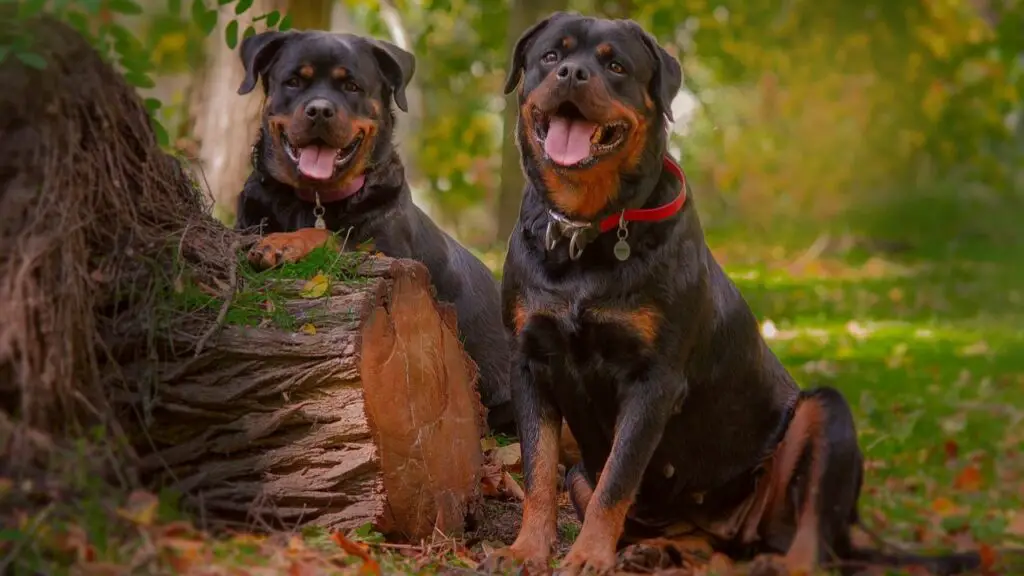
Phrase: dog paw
(512, 561)
(591, 561)
(665, 553)
(286, 247)
(768, 565)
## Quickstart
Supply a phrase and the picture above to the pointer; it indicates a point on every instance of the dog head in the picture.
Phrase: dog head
(593, 105)
(328, 116)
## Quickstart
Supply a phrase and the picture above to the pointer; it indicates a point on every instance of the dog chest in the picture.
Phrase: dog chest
(585, 338)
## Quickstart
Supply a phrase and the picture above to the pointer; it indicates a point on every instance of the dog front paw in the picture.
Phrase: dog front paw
(513, 560)
(286, 247)
(592, 560)
(768, 565)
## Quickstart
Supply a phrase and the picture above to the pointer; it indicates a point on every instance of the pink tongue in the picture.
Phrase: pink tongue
(568, 141)
(317, 162)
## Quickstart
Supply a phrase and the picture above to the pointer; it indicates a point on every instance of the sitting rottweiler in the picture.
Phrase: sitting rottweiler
(325, 157)
(626, 327)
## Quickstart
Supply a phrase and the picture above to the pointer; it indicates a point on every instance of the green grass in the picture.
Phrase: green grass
(261, 295)
(930, 355)
(929, 352)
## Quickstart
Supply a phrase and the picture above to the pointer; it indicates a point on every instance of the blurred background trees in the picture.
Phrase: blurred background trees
(881, 123)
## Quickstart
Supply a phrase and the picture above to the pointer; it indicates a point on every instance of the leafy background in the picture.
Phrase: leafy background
(859, 168)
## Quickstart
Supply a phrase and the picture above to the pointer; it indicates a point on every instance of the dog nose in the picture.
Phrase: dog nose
(570, 72)
(319, 109)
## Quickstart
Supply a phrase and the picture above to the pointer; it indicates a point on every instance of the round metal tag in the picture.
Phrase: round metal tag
(621, 250)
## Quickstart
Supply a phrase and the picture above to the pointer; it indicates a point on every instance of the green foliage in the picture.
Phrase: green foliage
(100, 22)
(811, 112)
(262, 295)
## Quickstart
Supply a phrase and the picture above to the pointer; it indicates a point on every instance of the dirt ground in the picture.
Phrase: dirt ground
(498, 523)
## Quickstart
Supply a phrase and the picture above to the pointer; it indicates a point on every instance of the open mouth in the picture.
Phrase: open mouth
(318, 161)
(571, 140)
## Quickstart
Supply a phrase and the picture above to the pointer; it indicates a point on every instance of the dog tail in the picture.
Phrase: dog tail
(938, 564)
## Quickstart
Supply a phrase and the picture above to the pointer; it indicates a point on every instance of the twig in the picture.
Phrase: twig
(815, 250)
(228, 299)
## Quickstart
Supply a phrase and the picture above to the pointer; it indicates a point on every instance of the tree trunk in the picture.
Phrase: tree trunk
(226, 124)
(522, 15)
(374, 419)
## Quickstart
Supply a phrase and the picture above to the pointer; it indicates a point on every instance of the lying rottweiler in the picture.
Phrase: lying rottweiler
(325, 152)
(626, 327)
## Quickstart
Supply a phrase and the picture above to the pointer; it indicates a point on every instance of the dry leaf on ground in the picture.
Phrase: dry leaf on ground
(969, 479)
(316, 287)
(140, 508)
(370, 566)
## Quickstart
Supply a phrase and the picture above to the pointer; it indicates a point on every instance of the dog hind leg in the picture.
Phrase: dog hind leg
(816, 484)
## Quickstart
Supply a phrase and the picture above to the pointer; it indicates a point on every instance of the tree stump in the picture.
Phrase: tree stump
(373, 419)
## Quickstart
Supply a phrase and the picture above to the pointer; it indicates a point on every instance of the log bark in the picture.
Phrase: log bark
(374, 419)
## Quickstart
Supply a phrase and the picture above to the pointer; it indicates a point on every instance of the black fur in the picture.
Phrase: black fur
(692, 415)
(382, 211)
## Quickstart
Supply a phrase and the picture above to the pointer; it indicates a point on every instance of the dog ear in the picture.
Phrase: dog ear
(515, 69)
(397, 66)
(668, 75)
(257, 53)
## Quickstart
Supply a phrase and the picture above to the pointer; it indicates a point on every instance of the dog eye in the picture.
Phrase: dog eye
(350, 86)
(292, 82)
(616, 67)
(549, 57)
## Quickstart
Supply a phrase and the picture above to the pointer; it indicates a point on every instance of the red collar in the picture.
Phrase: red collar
(662, 212)
(580, 234)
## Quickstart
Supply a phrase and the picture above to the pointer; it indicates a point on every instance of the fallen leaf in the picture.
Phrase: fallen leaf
(510, 457)
(491, 480)
(370, 566)
(1016, 525)
(943, 506)
(268, 306)
(308, 328)
(969, 479)
(896, 295)
(140, 508)
(184, 553)
(488, 443)
(512, 487)
(989, 557)
(296, 544)
(951, 448)
(315, 287)
(979, 348)
(77, 541)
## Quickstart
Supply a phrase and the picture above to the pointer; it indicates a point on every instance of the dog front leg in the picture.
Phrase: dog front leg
(287, 247)
(539, 422)
(641, 421)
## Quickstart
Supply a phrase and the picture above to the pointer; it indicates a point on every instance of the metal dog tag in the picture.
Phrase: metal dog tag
(621, 250)
(318, 212)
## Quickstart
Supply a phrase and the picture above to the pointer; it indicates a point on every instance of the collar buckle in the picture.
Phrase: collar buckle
(561, 227)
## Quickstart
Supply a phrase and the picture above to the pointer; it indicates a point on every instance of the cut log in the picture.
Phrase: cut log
(373, 419)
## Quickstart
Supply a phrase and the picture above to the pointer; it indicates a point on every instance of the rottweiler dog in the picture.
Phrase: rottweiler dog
(626, 328)
(325, 150)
